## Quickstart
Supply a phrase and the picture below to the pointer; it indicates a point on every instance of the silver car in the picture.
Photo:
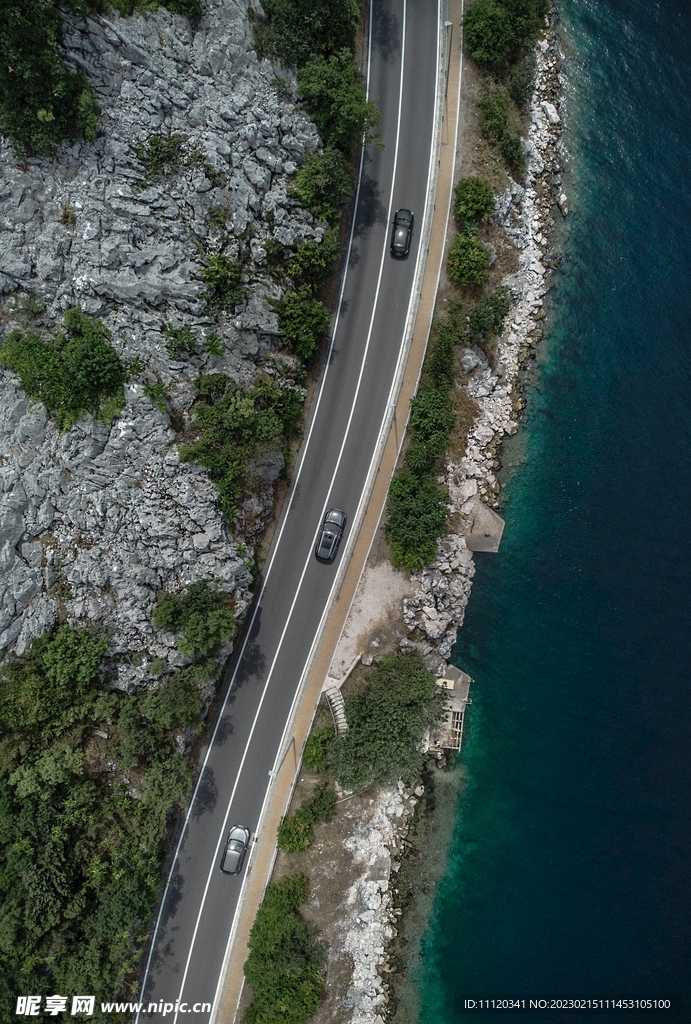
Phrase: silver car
(236, 848)
(330, 536)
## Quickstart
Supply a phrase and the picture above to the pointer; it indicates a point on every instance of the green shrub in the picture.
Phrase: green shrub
(520, 80)
(294, 834)
(387, 722)
(214, 346)
(416, 512)
(468, 260)
(333, 92)
(283, 966)
(176, 702)
(494, 115)
(203, 615)
(317, 749)
(156, 392)
(313, 261)
(473, 201)
(222, 277)
(73, 373)
(180, 340)
(439, 367)
(487, 319)
(320, 807)
(161, 155)
(304, 322)
(512, 152)
(431, 421)
(297, 30)
(231, 424)
(324, 185)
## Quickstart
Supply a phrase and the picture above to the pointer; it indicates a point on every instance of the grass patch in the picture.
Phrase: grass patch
(73, 372)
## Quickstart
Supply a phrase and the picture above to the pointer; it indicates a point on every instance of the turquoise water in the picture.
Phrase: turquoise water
(569, 871)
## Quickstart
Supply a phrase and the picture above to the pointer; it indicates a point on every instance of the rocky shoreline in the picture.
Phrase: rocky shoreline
(526, 214)
(99, 519)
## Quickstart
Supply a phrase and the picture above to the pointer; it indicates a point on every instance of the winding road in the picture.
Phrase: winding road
(198, 908)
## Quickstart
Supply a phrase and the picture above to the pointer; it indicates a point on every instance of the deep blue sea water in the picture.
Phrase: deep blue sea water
(570, 868)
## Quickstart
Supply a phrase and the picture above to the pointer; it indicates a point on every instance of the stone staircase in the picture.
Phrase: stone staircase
(337, 705)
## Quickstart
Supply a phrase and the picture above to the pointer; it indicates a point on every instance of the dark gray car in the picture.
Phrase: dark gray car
(402, 232)
(330, 535)
(236, 848)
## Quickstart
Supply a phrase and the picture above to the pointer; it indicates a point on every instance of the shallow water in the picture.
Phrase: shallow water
(569, 868)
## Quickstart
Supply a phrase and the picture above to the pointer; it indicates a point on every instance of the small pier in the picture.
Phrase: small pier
(449, 734)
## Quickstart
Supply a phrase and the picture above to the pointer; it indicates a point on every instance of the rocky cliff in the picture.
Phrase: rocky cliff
(196, 146)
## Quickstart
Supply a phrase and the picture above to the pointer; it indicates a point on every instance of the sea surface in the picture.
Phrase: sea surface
(569, 872)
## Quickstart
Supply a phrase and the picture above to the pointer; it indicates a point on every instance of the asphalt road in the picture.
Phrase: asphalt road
(198, 909)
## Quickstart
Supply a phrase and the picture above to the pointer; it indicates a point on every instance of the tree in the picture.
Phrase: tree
(304, 322)
(324, 185)
(468, 260)
(473, 201)
(314, 260)
(489, 32)
(387, 722)
(336, 100)
(296, 30)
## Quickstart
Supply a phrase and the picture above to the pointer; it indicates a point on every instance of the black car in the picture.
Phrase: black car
(402, 233)
(236, 848)
(330, 536)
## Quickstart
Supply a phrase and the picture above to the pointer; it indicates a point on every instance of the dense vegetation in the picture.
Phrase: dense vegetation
(72, 373)
(294, 31)
(324, 185)
(473, 202)
(304, 321)
(88, 780)
(498, 32)
(42, 102)
(295, 831)
(233, 425)
(468, 260)
(284, 962)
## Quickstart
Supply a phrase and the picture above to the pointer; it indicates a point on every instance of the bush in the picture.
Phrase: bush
(297, 30)
(176, 702)
(222, 277)
(283, 966)
(295, 832)
(73, 373)
(203, 615)
(512, 151)
(316, 754)
(468, 260)
(387, 722)
(494, 115)
(314, 261)
(487, 319)
(161, 155)
(180, 340)
(324, 185)
(304, 322)
(335, 98)
(431, 421)
(231, 424)
(473, 201)
(439, 367)
(416, 512)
